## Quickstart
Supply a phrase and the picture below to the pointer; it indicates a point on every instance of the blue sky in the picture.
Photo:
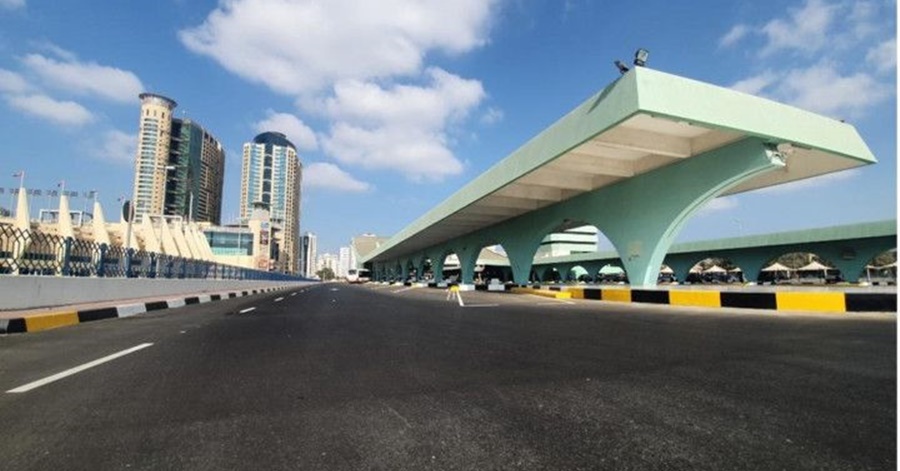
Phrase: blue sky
(396, 104)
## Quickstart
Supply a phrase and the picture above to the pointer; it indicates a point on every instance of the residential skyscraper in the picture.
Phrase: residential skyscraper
(199, 174)
(179, 167)
(271, 175)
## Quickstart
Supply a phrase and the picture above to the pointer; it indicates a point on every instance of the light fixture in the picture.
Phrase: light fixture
(622, 67)
(641, 56)
(785, 148)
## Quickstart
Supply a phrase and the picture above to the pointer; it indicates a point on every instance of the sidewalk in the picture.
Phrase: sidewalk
(34, 320)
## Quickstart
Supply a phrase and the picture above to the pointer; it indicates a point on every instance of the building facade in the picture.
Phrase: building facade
(179, 167)
(271, 175)
(573, 241)
(308, 255)
(343, 262)
(195, 189)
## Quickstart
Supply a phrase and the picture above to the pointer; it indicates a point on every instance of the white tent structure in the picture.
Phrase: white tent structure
(815, 266)
(776, 267)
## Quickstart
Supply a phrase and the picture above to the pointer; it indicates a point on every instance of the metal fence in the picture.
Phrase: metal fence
(30, 253)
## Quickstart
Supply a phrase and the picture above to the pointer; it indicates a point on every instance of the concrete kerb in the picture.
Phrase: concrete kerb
(39, 321)
(836, 302)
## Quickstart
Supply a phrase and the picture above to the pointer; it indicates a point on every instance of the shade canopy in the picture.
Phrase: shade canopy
(776, 267)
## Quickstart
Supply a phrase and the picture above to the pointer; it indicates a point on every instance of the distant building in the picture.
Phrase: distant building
(179, 166)
(343, 262)
(327, 260)
(255, 244)
(573, 241)
(308, 255)
(271, 175)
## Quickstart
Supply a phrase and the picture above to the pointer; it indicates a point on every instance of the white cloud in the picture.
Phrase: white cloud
(12, 4)
(883, 56)
(447, 98)
(331, 177)
(756, 84)
(117, 147)
(291, 126)
(86, 78)
(492, 116)
(402, 128)
(303, 46)
(11, 82)
(362, 67)
(806, 30)
(822, 89)
(720, 204)
(61, 112)
(819, 48)
(419, 155)
(735, 34)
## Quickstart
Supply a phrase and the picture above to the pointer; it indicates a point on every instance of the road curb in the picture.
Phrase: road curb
(53, 320)
(813, 301)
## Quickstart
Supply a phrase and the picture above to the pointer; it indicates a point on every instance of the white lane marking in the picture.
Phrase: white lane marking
(77, 369)
(334, 289)
(481, 305)
(554, 304)
(404, 289)
(459, 298)
(244, 311)
(294, 293)
(278, 300)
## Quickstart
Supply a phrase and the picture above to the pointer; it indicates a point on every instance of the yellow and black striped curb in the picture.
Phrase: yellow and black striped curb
(813, 301)
(543, 292)
(52, 320)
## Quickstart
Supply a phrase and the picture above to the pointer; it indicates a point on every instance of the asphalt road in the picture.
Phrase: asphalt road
(374, 377)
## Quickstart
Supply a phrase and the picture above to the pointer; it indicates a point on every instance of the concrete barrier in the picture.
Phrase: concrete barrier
(809, 301)
(31, 292)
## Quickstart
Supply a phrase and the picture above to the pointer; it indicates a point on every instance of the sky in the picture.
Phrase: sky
(394, 105)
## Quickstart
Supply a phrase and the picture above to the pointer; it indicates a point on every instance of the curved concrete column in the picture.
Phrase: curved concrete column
(643, 230)
(437, 264)
(468, 256)
(852, 260)
(520, 245)
(420, 266)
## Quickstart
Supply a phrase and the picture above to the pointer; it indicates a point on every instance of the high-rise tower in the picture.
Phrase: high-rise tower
(152, 161)
(271, 175)
(179, 168)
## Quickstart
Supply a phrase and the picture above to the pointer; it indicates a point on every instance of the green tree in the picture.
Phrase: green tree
(325, 274)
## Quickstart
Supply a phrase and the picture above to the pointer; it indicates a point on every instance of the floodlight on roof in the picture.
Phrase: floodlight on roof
(622, 67)
(641, 56)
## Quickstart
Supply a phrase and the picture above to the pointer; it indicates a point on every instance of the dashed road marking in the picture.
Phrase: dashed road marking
(278, 300)
(77, 369)
(244, 311)
(404, 289)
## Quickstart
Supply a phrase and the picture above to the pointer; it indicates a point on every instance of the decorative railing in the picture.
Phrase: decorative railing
(32, 253)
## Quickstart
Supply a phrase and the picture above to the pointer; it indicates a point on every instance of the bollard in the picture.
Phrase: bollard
(101, 267)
